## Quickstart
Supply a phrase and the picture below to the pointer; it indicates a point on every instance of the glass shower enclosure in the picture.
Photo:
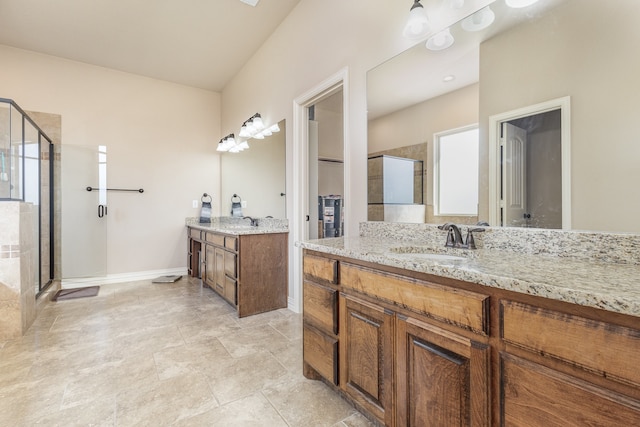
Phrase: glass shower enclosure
(26, 175)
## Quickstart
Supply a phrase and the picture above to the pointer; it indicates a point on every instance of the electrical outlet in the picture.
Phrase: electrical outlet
(195, 203)
(244, 203)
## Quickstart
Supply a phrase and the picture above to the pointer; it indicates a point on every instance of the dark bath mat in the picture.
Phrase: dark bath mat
(62, 294)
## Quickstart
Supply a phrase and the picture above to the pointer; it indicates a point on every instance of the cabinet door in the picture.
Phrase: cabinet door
(210, 266)
(219, 272)
(230, 293)
(442, 378)
(366, 356)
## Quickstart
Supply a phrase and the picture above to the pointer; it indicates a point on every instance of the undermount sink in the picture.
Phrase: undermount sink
(422, 253)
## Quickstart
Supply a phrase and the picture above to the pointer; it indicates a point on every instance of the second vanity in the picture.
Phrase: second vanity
(530, 329)
(246, 265)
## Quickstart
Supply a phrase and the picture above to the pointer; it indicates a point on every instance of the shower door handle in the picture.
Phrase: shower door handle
(102, 210)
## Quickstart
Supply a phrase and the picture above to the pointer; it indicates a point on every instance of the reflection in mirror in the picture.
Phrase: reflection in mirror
(554, 49)
(257, 176)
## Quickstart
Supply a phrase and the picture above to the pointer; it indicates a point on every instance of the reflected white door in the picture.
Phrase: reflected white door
(514, 174)
(313, 180)
(84, 213)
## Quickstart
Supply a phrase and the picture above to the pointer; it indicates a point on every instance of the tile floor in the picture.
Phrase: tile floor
(148, 354)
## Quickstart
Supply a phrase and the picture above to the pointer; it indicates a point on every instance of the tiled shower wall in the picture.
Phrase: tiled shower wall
(17, 252)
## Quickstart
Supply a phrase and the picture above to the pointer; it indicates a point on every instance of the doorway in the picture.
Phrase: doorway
(301, 175)
(529, 171)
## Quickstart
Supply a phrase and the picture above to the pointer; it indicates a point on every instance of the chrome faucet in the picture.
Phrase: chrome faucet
(254, 222)
(454, 236)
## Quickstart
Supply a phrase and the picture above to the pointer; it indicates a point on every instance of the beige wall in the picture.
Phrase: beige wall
(160, 136)
(557, 57)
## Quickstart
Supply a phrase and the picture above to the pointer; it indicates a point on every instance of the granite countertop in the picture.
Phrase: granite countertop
(608, 286)
(238, 226)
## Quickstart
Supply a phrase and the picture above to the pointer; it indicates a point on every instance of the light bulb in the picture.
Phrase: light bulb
(440, 41)
(257, 122)
(275, 128)
(417, 25)
(479, 20)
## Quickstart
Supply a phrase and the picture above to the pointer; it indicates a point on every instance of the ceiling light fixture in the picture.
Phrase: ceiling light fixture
(449, 78)
(440, 41)
(479, 20)
(519, 3)
(417, 25)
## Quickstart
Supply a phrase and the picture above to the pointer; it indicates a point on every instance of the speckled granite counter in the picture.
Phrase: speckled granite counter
(566, 273)
(239, 226)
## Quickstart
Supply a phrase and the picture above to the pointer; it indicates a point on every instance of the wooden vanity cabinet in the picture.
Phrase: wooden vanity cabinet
(414, 350)
(249, 270)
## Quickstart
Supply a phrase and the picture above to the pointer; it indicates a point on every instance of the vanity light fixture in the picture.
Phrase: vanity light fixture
(251, 126)
(479, 20)
(519, 3)
(244, 145)
(440, 41)
(417, 25)
(226, 143)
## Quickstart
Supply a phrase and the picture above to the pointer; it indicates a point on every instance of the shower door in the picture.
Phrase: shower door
(84, 212)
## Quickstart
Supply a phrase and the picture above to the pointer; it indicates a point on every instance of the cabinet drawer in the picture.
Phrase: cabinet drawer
(320, 307)
(216, 239)
(536, 395)
(596, 346)
(231, 242)
(321, 268)
(195, 234)
(230, 265)
(457, 306)
(321, 353)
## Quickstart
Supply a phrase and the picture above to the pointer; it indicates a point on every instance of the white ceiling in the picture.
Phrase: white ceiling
(200, 43)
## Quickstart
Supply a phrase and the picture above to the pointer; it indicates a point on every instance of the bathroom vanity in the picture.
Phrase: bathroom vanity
(416, 334)
(246, 265)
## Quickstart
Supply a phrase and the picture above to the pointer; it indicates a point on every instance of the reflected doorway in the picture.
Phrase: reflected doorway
(326, 166)
(532, 167)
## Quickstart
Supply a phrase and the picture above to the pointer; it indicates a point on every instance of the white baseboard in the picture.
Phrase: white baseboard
(291, 305)
(121, 277)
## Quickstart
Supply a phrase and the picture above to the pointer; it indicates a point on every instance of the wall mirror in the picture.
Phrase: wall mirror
(576, 50)
(257, 176)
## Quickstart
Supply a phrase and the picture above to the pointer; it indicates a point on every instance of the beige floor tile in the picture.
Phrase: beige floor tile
(98, 413)
(195, 358)
(308, 403)
(164, 402)
(250, 411)
(235, 378)
(250, 340)
(149, 354)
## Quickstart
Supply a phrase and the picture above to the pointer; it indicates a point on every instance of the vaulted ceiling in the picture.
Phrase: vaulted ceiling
(200, 43)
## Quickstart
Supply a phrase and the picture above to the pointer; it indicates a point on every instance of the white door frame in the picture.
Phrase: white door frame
(299, 225)
(564, 105)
